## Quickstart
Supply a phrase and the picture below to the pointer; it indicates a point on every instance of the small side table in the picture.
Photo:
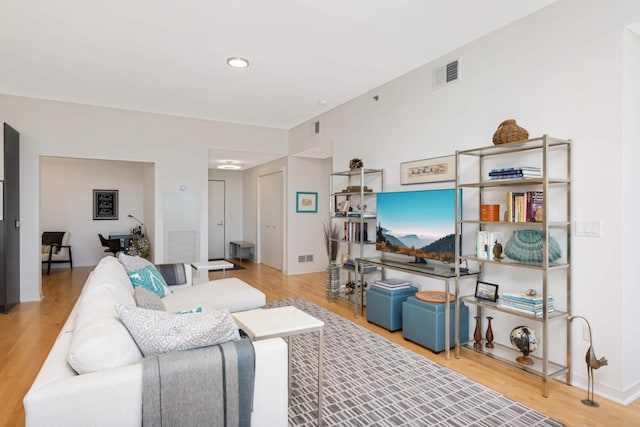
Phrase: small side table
(284, 322)
(241, 249)
(209, 266)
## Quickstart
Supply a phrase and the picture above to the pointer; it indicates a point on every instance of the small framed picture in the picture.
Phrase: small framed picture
(306, 202)
(486, 291)
(105, 204)
(429, 170)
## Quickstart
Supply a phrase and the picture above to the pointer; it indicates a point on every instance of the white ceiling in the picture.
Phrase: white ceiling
(169, 57)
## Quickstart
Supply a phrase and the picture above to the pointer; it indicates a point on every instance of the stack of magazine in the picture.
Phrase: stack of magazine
(391, 284)
(525, 303)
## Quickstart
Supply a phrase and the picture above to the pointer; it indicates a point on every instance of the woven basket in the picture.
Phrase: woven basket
(509, 131)
(526, 246)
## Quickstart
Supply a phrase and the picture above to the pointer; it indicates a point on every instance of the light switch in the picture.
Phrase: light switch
(588, 228)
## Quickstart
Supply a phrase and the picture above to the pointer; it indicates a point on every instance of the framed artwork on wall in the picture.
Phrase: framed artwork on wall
(436, 169)
(105, 205)
(306, 202)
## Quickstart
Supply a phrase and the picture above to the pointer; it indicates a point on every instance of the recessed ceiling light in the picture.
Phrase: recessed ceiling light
(229, 165)
(237, 62)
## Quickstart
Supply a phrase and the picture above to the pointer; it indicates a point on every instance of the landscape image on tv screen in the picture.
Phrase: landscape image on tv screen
(418, 224)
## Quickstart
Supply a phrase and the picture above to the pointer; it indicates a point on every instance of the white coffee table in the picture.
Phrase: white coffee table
(284, 322)
(201, 267)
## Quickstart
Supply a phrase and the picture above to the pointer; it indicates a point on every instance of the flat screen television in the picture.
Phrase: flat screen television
(418, 224)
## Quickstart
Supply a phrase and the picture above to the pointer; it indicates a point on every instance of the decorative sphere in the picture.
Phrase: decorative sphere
(523, 338)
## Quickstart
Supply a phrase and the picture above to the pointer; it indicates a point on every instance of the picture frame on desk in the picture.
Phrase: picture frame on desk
(306, 202)
(486, 291)
(437, 169)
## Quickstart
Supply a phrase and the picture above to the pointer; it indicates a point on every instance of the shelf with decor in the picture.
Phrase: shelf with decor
(352, 217)
(517, 232)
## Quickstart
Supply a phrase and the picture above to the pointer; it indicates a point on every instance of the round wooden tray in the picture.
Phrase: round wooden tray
(434, 296)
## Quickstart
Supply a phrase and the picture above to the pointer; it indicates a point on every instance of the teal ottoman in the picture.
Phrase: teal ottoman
(423, 323)
(384, 306)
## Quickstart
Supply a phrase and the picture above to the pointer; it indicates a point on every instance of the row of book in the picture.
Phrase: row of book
(353, 230)
(525, 303)
(523, 206)
(519, 172)
(391, 284)
(486, 242)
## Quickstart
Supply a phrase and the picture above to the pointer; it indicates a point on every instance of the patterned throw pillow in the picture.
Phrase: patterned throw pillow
(151, 279)
(132, 263)
(158, 332)
(147, 299)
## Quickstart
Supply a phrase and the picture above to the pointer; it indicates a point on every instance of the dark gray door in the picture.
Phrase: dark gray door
(9, 225)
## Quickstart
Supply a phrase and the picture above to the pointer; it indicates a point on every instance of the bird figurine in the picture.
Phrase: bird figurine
(592, 363)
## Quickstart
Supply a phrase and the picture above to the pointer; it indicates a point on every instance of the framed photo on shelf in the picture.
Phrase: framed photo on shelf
(105, 205)
(486, 291)
(306, 202)
(437, 169)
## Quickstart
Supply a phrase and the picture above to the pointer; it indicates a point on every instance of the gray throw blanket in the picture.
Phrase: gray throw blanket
(209, 386)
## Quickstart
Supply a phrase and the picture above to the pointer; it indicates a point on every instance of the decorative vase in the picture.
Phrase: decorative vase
(509, 131)
(489, 335)
(477, 335)
(497, 251)
(332, 281)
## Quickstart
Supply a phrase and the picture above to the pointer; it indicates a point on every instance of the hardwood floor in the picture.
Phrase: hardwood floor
(28, 332)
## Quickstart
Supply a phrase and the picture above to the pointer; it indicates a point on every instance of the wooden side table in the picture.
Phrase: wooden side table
(284, 322)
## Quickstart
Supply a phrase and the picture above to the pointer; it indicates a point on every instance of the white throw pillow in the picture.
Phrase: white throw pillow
(158, 332)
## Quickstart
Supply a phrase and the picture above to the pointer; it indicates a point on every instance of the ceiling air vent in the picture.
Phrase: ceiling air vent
(446, 74)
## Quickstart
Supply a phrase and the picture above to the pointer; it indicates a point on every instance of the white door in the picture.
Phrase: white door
(271, 199)
(216, 220)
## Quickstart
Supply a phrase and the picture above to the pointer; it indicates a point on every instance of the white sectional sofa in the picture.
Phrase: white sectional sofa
(95, 342)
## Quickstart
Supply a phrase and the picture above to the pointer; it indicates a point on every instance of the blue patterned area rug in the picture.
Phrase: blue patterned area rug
(371, 381)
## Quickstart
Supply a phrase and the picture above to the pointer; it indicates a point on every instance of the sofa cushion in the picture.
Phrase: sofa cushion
(158, 332)
(147, 299)
(100, 340)
(149, 278)
(230, 293)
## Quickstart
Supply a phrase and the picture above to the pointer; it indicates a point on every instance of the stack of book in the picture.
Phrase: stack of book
(518, 172)
(356, 189)
(366, 268)
(525, 303)
(522, 207)
(391, 284)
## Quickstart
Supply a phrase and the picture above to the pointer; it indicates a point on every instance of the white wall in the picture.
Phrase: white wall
(631, 205)
(305, 235)
(178, 148)
(66, 201)
(558, 72)
(234, 210)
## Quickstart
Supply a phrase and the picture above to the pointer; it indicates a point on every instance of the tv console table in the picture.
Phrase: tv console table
(439, 272)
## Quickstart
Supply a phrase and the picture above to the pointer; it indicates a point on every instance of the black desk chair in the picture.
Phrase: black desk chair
(112, 245)
(56, 248)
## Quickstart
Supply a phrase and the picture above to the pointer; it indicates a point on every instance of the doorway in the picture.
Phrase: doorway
(271, 223)
(217, 243)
